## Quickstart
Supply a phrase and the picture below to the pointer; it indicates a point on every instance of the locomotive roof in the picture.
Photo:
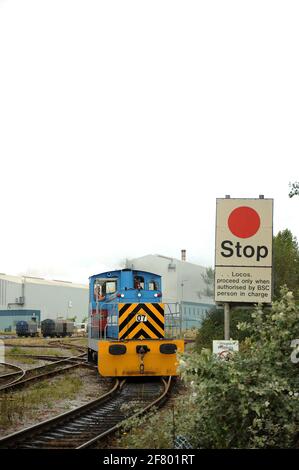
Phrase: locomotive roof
(113, 273)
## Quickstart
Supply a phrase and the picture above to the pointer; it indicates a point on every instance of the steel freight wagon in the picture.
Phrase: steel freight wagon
(26, 328)
(58, 328)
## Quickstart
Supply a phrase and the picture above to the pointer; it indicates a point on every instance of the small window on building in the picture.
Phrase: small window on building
(152, 285)
(138, 282)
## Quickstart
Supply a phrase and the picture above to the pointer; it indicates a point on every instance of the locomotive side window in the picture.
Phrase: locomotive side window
(102, 287)
(110, 287)
(138, 282)
(152, 285)
(99, 290)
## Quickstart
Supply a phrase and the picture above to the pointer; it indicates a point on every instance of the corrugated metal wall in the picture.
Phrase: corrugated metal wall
(3, 289)
(193, 314)
(53, 300)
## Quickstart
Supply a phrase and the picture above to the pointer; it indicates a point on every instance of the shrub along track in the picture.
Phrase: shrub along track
(86, 425)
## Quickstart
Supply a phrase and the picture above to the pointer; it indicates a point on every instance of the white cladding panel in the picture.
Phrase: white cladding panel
(180, 280)
(52, 298)
(54, 301)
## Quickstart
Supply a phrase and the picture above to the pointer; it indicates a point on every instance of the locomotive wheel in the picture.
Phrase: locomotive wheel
(92, 356)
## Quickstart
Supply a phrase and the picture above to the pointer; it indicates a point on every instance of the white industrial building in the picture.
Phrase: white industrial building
(25, 297)
(182, 282)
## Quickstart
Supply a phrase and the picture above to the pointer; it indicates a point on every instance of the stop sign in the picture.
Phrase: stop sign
(243, 253)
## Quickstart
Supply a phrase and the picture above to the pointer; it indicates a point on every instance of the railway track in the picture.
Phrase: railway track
(7, 378)
(42, 372)
(47, 357)
(51, 345)
(20, 377)
(61, 344)
(88, 424)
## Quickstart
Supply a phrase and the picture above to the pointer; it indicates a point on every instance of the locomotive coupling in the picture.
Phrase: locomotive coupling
(141, 351)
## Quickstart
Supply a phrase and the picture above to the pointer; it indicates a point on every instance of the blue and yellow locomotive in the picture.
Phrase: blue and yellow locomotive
(131, 332)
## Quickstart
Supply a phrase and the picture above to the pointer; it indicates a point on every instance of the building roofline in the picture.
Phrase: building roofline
(40, 280)
(169, 258)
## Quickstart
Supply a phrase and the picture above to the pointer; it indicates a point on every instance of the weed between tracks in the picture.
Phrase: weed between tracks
(49, 398)
(42, 351)
(45, 341)
(15, 350)
(16, 407)
(158, 425)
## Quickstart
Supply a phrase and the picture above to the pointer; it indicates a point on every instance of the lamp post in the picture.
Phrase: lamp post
(182, 286)
(182, 299)
(69, 305)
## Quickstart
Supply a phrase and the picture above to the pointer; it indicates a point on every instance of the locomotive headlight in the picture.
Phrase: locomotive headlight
(155, 295)
(138, 295)
(122, 295)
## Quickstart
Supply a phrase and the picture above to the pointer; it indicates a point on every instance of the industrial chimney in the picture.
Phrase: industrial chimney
(183, 255)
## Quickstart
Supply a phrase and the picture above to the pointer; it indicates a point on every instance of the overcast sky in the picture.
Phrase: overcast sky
(122, 121)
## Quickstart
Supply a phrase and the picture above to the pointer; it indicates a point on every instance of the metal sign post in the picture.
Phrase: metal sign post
(226, 321)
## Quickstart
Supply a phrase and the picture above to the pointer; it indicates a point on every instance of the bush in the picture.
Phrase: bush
(250, 400)
(213, 327)
(131, 437)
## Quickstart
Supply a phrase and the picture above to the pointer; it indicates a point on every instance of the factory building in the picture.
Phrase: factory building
(184, 283)
(24, 297)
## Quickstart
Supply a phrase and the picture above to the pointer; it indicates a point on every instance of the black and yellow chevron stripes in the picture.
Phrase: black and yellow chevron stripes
(131, 328)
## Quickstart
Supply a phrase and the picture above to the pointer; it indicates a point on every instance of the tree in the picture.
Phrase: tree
(294, 189)
(74, 318)
(286, 262)
(208, 278)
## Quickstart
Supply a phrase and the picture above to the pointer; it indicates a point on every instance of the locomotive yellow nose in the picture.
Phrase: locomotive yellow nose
(139, 357)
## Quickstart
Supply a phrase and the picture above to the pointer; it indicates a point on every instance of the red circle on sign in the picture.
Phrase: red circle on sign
(244, 222)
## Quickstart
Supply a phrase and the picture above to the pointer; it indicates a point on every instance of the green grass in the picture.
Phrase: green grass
(37, 351)
(16, 407)
(15, 350)
(24, 360)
